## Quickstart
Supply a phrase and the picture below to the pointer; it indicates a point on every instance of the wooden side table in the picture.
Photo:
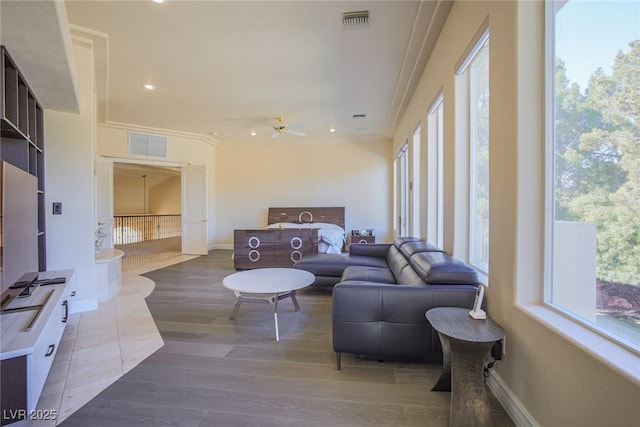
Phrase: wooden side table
(360, 238)
(466, 342)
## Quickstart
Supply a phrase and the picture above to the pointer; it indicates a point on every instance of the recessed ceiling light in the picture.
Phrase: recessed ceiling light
(253, 133)
(332, 129)
(158, 1)
(148, 86)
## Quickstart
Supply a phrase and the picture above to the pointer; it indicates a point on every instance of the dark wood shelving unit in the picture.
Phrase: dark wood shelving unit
(22, 134)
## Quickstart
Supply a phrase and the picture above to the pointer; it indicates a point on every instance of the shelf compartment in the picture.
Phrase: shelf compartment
(10, 93)
(23, 107)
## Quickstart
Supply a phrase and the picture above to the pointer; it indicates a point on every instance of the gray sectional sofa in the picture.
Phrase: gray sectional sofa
(382, 291)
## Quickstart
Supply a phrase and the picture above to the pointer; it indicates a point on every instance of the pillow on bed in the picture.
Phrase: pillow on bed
(330, 234)
(284, 225)
(326, 225)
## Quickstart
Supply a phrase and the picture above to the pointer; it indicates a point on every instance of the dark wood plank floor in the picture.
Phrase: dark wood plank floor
(216, 372)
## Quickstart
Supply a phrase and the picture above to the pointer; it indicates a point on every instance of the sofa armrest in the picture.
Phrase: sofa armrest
(378, 250)
(389, 320)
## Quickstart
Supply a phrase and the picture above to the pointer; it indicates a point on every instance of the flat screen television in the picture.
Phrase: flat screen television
(18, 224)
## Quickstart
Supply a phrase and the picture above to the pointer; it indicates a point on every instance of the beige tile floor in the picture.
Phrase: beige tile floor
(100, 346)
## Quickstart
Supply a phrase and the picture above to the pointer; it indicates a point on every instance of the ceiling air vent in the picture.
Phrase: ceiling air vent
(142, 144)
(355, 19)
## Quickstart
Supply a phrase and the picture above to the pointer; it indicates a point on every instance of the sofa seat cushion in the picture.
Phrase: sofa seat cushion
(333, 265)
(442, 268)
(368, 274)
(324, 264)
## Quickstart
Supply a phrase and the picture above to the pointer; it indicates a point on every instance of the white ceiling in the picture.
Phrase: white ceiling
(225, 68)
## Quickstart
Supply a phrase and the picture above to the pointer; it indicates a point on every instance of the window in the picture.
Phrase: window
(414, 184)
(592, 223)
(435, 174)
(401, 166)
(475, 69)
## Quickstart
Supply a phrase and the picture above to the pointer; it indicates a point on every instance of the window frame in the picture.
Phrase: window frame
(435, 171)
(478, 48)
(402, 177)
(414, 182)
(549, 201)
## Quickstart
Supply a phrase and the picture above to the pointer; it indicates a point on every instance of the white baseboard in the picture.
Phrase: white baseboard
(222, 246)
(516, 410)
(84, 305)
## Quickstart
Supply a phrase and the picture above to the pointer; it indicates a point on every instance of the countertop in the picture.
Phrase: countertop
(16, 340)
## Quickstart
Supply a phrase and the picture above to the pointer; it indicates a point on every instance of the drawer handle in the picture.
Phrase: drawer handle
(73, 294)
(50, 350)
(65, 306)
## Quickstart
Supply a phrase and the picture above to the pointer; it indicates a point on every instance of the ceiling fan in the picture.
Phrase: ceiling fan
(279, 127)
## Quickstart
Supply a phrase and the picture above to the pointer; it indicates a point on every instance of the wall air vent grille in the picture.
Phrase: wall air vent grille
(142, 144)
(355, 19)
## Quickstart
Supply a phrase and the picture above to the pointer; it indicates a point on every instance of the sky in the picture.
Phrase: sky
(590, 33)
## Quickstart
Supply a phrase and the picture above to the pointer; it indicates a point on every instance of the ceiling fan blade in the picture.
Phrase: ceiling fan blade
(295, 132)
(294, 125)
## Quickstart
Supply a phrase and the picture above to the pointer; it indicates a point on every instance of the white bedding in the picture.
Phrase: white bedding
(331, 236)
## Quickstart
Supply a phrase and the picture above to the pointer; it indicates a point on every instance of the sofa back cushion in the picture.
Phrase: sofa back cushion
(443, 269)
(399, 241)
(401, 269)
(411, 248)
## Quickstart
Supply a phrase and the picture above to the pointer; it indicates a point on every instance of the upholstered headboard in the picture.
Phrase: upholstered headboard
(331, 215)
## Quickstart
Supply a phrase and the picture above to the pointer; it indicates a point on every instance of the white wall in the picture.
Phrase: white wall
(128, 195)
(165, 198)
(162, 198)
(69, 163)
(551, 376)
(253, 176)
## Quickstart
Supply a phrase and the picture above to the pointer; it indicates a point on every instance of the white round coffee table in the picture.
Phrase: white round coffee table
(267, 285)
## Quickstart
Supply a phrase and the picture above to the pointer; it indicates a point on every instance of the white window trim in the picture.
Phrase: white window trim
(481, 267)
(402, 194)
(478, 42)
(415, 202)
(529, 282)
(615, 352)
(612, 354)
(435, 171)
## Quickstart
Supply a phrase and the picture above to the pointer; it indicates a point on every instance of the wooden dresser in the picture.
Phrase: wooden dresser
(272, 247)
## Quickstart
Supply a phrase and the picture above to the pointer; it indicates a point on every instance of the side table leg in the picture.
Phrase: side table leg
(469, 404)
(444, 382)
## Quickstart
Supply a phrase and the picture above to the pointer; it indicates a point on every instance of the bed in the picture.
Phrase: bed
(290, 234)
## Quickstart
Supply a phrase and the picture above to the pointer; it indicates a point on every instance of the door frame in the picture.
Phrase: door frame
(144, 162)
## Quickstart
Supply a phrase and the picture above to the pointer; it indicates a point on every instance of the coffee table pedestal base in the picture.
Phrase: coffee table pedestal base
(265, 298)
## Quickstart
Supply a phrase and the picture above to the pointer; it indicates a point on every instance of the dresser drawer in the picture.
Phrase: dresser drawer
(39, 362)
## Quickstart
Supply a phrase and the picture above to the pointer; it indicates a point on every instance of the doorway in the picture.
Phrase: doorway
(147, 212)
